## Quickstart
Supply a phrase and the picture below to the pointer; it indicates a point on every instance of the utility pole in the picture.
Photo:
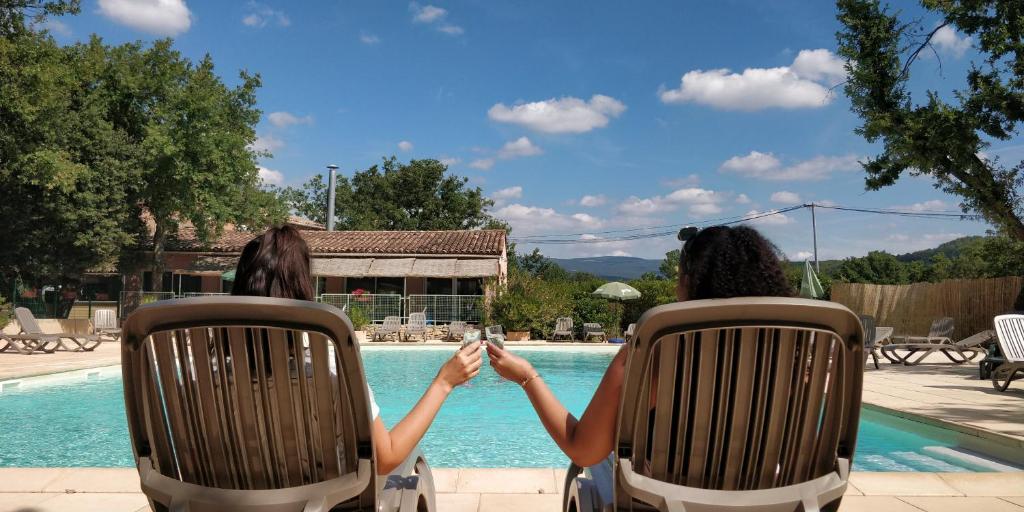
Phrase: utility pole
(814, 231)
(331, 182)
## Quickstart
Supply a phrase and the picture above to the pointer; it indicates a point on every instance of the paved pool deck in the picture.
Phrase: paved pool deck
(934, 392)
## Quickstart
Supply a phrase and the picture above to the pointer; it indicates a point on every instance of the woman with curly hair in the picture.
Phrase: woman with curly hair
(716, 263)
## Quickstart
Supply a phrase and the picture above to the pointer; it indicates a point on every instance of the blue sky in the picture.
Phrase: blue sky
(578, 118)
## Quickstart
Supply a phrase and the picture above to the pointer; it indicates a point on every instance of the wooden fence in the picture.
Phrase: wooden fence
(910, 308)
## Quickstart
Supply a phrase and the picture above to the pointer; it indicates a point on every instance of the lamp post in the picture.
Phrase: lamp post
(331, 181)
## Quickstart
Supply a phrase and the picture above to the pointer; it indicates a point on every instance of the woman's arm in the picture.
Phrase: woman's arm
(586, 441)
(395, 446)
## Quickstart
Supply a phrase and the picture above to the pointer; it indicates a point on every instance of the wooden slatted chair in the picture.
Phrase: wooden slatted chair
(255, 403)
(733, 404)
(1010, 336)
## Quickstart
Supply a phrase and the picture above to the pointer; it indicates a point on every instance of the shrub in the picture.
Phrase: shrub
(653, 292)
(529, 303)
(360, 319)
(5, 313)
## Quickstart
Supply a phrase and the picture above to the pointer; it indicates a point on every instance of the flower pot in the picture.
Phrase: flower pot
(518, 336)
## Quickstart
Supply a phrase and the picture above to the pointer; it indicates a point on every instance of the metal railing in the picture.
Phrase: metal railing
(187, 295)
(130, 301)
(375, 305)
(443, 309)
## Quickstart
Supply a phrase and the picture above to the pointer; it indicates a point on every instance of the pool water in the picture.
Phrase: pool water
(77, 419)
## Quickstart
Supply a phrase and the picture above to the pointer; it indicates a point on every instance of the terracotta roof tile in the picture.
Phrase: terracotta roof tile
(477, 242)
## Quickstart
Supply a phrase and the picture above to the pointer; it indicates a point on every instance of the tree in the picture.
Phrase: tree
(938, 137)
(669, 267)
(13, 13)
(395, 196)
(877, 267)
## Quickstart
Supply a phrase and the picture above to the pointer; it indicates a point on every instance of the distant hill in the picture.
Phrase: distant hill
(951, 249)
(614, 268)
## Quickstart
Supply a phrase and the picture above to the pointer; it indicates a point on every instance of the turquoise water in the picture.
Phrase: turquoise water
(487, 423)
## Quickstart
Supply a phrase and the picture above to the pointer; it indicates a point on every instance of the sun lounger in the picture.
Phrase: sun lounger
(938, 340)
(220, 419)
(495, 334)
(417, 326)
(455, 331)
(1010, 337)
(563, 329)
(868, 322)
(630, 331)
(756, 407)
(27, 343)
(104, 324)
(592, 331)
(392, 326)
(82, 342)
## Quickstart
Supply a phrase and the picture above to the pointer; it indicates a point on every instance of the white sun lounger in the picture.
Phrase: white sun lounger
(1010, 336)
(392, 326)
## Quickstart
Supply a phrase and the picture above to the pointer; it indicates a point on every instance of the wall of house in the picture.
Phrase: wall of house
(335, 285)
(415, 285)
(211, 283)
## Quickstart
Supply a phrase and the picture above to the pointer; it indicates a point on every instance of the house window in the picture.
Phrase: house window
(471, 286)
(439, 286)
(147, 281)
(365, 284)
(188, 283)
(391, 285)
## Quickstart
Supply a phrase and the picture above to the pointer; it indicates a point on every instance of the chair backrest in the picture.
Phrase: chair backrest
(868, 322)
(941, 328)
(27, 321)
(1010, 333)
(417, 321)
(563, 324)
(457, 327)
(591, 327)
(630, 330)
(391, 324)
(752, 393)
(247, 393)
(104, 319)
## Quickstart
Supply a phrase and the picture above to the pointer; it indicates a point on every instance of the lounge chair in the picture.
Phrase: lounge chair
(221, 419)
(392, 326)
(27, 343)
(104, 324)
(417, 326)
(938, 340)
(756, 408)
(592, 330)
(82, 342)
(495, 334)
(455, 331)
(1010, 337)
(630, 331)
(870, 337)
(563, 329)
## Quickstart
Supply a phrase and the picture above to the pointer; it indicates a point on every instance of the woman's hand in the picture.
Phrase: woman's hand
(509, 365)
(464, 365)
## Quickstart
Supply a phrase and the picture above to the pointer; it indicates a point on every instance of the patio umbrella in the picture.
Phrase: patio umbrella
(617, 291)
(229, 275)
(810, 286)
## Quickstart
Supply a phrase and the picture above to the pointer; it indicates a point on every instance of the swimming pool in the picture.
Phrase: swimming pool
(77, 419)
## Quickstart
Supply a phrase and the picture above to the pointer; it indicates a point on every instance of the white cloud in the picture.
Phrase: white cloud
(531, 220)
(261, 15)
(436, 16)
(767, 218)
(367, 38)
(426, 13)
(593, 201)
(803, 84)
(270, 176)
(56, 27)
(801, 256)
(765, 166)
(267, 143)
(563, 115)
(405, 146)
(158, 17)
(698, 201)
(742, 199)
(285, 119)
(926, 206)
(947, 40)
(520, 147)
(482, 164)
(504, 195)
(785, 197)
(448, 162)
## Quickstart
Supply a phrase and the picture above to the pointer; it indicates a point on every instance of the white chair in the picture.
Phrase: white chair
(1010, 336)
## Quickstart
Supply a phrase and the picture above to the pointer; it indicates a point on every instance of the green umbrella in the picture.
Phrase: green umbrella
(810, 286)
(617, 291)
(229, 275)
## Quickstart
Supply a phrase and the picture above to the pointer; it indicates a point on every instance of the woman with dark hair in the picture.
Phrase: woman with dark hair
(276, 264)
(715, 263)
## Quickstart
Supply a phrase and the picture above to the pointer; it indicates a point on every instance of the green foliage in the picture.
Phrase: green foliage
(530, 303)
(414, 196)
(5, 312)
(669, 268)
(980, 257)
(938, 137)
(13, 13)
(359, 317)
(653, 292)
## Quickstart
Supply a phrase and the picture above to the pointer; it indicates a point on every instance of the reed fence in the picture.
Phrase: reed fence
(910, 308)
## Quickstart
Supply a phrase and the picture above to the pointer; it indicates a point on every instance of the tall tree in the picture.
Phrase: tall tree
(669, 267)
(18, 16)
(419, 195)
(938, 137)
